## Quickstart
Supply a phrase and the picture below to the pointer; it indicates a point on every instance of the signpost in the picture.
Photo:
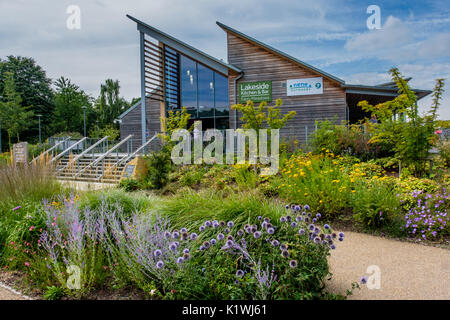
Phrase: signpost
(20, 152)
(256, 91)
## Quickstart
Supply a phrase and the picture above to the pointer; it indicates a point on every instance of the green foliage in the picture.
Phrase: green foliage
(110, 105)
(53, 293)
(73, 135)
(263, 116)
(174, 120)
(412, 139)
(159, 167)
(14, 116)
(109, 130)
(69, 100)
(36, 149)
(129, 184)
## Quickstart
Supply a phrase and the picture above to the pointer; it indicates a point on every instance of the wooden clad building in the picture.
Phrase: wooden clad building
(176, 75)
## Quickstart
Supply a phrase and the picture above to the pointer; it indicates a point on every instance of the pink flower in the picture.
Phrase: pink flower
(438, 131)
(53, 224)
(13, 243)
(32, 228)
(27, 264)
(17, 208)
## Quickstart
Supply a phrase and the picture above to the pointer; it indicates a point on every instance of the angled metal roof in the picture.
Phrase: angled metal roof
(130, 109)
(381, 90)
(184, 48)
(280, 53)
(391, 84)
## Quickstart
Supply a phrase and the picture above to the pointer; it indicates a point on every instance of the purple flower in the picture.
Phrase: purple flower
(341, 234)
(283, 247)
(341, 239)
(213, 241)
(180, 259)
(306, 207)
(363, 280)
(186, 256)
(239, 273)
(285, 253)
(332, 246)
(17, 208)
(301, 232)
(326, 226)
(316, 240)
(318, 215)
(292, 263)
(182, 230)
(230, 224)
(157, 253)
(173, 246)
(202, 228)
(287, 206)
(193, 236)
(314, 220)
(175, 235)
(160, 264)
(257, 234)
(207, 223)
(270, 230)
(299, 218)
(206, 244)
(186, 250)
(283, 219)
(275, 243)
(167, 234)
(259, 217)
(311, 227)
(240, 232)
(266, 220)
(294, 224)
(230, 243)
(220, 236)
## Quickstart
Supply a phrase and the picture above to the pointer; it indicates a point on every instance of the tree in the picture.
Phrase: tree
(411, 138)
(109, 104)
(69, 100)
(15, 118)
(34, 87)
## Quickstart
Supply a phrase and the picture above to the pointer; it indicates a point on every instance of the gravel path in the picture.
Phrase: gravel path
(7, 294)
(408, 270)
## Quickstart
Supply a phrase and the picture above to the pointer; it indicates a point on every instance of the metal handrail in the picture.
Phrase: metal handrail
(47, 151)
(126, 158)
(103, 156)
(67, 150)
(82, 154)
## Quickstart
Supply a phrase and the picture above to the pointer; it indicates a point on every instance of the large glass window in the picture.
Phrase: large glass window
(221, 95)
(205, 92)
(188, 77)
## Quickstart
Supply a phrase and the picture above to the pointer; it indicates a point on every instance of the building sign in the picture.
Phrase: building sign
(256, 91)
(305, 86)
(20, 152)
(128, 172)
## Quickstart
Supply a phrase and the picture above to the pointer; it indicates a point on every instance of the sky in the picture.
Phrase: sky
(331, 35)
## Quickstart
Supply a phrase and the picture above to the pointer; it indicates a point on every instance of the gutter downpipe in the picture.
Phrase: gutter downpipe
(235, 97)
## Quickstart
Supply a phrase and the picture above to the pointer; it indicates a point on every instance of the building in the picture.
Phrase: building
(175, 74)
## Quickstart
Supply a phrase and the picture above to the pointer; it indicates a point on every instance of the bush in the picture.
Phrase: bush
(159, 167)
(129, 184)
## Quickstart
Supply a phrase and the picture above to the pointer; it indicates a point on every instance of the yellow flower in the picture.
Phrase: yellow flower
(353, 190)
(295, 175)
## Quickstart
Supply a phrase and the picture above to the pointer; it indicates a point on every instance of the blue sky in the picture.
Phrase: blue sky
(331, 35)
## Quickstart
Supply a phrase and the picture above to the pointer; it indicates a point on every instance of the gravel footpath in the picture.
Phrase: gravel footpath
(7, 294)
(408, 270)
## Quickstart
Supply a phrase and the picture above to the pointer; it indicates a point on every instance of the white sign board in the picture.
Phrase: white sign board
(305, 86)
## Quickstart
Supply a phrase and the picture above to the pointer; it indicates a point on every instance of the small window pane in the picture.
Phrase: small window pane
(188, 77)
(205, 92)
(221, 91)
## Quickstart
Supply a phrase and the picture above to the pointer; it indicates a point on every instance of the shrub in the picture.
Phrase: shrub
(159, 167)
(129, 184)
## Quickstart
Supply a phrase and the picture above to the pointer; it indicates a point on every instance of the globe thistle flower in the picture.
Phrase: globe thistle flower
(293, 263)
(322, 236)
(253, 229)
(202, 248)
(259, 217)
(159, 264)
(287, 206)
(173, 246)
(318, 215)
(239, 273)
(294, 224)
(207, 223)
(283, 247)
(299, 218)
(307, 220)
(325, 242)
(316, 230)
(257, 234)
(333, 235)
(183, 230)
(226, 230)
(184, 236)
(268, 225)
(186, 250)
(311, 227)
(285, 253)
(264, 225)
(230, 243)
(341, 239)
(309, 215)
(180, 259)
(275, 243)
(175, 234)
(186, 256)
(301, 232)
(230, 224)
(341, 234)
(363, 280)
(167, 234)
(328, 237)
(230, 237)
(206, 244)
(193, 236)
(177, 243)
(332, 247)
(283, 219)
(202, 228)
(270, 230)
(222, 223)
(330, 242)
(303, 213)
(298, 207)
(316, 240)
(314, 220)
(157, 253)
(267, 220)
(240, 233)
(306, 207)
(215, 224)
(220, 236)
(326, 226)
(213, 241)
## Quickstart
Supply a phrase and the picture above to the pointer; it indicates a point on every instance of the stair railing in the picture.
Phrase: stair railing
(51, 149)
(83, 154)
(103, 156)
(67, 150)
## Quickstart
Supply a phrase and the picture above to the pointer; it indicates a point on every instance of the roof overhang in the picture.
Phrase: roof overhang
(380, 90)
(185, 49)
(279, 53)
